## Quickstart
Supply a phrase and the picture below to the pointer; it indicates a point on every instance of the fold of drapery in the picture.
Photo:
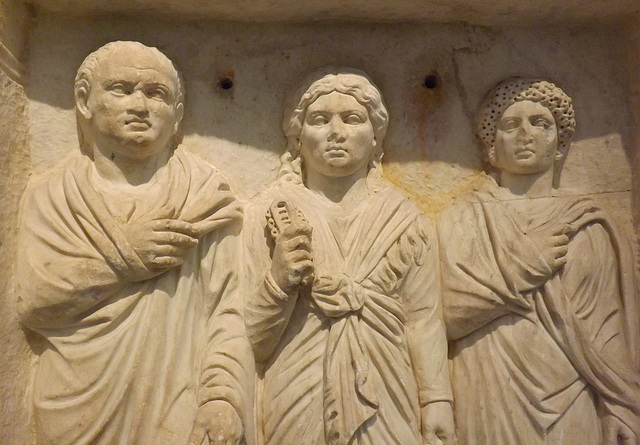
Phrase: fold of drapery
(110, 326)
(358, 307)
(499, 273)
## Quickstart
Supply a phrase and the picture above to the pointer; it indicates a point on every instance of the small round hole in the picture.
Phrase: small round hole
(431, 81)
(226, 83)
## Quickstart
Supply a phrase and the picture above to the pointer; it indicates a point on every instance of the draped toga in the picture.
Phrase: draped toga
(128, 355)
(538, 357)
(363, 348)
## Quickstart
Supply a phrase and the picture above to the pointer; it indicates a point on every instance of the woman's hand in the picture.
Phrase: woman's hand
(291, 262)
(617, 433)
(437, 423)
(217, 423)
(553, 244)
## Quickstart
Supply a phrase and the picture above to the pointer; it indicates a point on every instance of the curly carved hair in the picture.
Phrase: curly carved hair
(320, 82)
(517, 89)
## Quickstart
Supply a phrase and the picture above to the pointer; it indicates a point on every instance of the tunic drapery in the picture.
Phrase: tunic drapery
(538, 355)
(364, 347)
(130, 353)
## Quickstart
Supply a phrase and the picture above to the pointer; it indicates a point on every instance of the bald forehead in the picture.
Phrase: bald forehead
(138, 58)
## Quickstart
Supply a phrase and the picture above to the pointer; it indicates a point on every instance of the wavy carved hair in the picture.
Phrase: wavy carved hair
(517, 89)
(320, 82)
(84, 81)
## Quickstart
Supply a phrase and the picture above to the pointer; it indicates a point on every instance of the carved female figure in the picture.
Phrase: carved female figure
(344, 317)
(538, 290)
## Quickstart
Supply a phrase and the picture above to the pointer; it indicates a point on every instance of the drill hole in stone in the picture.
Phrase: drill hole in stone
(431, 81)
(226, 83)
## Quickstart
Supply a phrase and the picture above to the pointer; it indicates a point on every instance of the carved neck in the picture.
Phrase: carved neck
(347, 191)
(123, 170)
(536, 185)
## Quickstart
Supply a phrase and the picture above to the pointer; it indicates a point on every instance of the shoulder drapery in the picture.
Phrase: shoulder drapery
(365, 295)
(491, 269)
(124, 349)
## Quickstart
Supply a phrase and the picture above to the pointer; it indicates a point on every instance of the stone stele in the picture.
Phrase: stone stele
(291, 222)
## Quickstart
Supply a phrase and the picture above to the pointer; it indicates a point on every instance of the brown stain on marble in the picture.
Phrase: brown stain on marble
(413, 173)
(426, 110)
(434, 202)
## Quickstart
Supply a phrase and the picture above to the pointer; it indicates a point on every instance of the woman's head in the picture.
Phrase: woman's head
(324, 82)
(517, 90)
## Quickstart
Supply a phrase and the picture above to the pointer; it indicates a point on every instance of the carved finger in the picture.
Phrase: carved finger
(165, 250)
(627, 435)
(558, 263)
(198, 435)
(560, 251)
(298, 256)
(175, 239)
(564, 229)
(610, 435)
(167, 261)
(293, 230)
(301, 242)
(302, 269)
(175, 225)
(560, 240)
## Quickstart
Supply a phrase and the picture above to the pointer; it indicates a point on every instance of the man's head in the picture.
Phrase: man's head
(129, 101)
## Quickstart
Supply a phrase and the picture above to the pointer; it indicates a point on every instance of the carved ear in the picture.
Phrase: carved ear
(491, 156)
(179, 116)
(82, 97)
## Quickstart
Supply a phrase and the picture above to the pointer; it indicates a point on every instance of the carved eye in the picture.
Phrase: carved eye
(156, 93)
(318, 120)
(541, 122)
(509, 124)
(119, 89)
(353, 119)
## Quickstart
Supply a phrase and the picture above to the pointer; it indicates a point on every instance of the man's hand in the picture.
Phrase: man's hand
(217, 423)
(161, 243)
(291, 263)
(437, 423)
(617, 433)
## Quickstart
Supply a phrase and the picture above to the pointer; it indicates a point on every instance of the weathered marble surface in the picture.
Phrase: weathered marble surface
(125, 270)
(344, 311)
(539, 290)
(430, 150)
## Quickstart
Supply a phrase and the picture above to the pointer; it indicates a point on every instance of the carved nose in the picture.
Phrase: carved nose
(336, 134)
(524, 133)
(138, 102)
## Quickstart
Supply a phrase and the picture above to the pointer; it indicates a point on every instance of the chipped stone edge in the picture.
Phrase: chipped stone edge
(11, 66)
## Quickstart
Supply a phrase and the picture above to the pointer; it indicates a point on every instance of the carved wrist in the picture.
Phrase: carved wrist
(275, 292)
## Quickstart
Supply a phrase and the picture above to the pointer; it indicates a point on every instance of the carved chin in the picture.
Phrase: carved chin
(338, 162)
(137, 137)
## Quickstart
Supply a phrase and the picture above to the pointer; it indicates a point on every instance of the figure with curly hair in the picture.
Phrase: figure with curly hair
(344, 315)
(538, 290)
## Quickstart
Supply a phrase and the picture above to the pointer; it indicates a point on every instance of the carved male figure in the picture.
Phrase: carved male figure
(344, 318)
(538, 291)
(124, 269)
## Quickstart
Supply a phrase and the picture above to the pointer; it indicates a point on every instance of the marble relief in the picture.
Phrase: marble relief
(344, 315)
(327, 309)
(538, 290)
(124, 271)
